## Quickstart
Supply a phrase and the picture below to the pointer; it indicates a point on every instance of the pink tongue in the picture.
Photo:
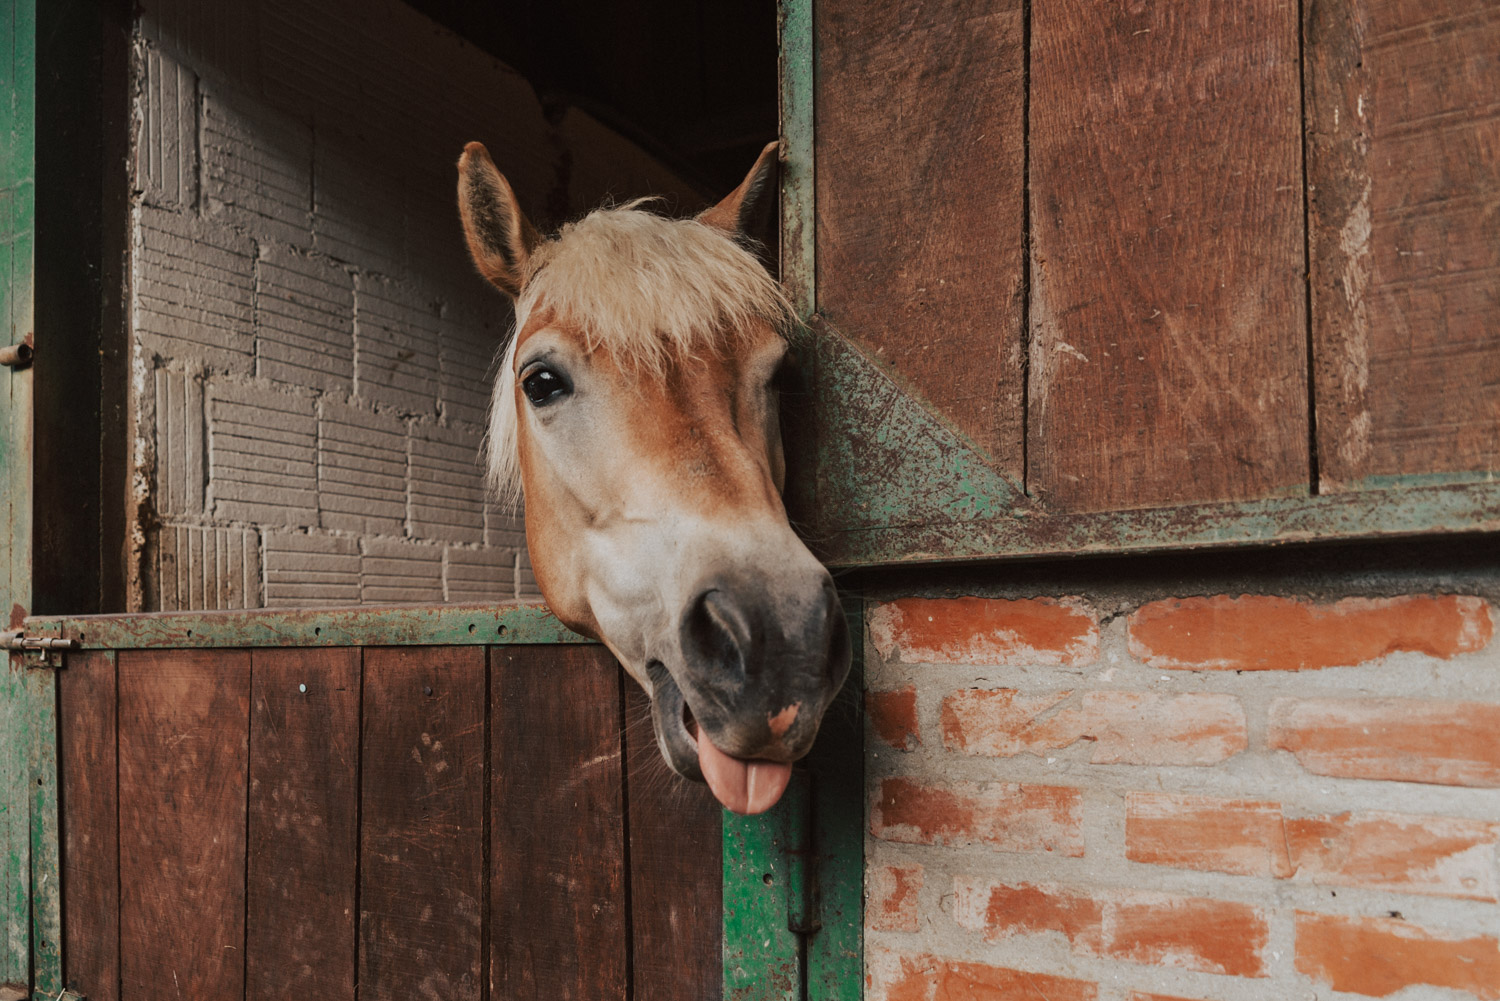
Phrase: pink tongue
(745, 787)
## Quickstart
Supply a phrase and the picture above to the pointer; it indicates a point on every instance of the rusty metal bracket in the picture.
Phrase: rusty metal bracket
(18, 355)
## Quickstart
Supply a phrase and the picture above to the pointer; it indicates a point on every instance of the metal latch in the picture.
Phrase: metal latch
(17, 355)
(45, 648)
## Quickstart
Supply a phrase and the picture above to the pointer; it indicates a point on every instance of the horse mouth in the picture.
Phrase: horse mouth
(745, 786)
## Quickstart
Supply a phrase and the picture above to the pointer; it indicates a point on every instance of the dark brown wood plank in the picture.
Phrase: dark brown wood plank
(303, 838)
(676, 870)
(557, 897)
(1168, 352)
(422, 823)
(921, 220)
(1403, 105)
(90, 832)
(184, 729)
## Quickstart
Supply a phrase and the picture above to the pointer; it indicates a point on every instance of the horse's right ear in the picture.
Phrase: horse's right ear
(500, 237)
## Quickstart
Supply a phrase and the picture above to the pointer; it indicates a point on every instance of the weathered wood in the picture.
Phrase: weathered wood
(90, 825)
(676, 874)
(557, 896)
(303, 841)
(421, 868)
(184, 719)
(921, 217)
(1168, 352)
(1402, 102)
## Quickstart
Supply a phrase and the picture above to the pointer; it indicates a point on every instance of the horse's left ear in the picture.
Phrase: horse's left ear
(500, 237)
(738, 212)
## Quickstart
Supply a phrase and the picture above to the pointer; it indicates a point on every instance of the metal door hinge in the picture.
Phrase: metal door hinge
(47, 650)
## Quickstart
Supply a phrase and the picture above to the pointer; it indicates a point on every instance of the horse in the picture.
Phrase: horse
(636, 413)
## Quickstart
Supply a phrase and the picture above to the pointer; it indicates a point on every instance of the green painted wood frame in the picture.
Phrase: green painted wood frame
(906, 487)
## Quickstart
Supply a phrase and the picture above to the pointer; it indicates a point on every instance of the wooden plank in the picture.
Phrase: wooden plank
(90, 825)
(303, 837)
(422, 823)
(184, 723)
(1403, 108)
(921, 217)
(1168, 352)
(676, 874)
(557, 852)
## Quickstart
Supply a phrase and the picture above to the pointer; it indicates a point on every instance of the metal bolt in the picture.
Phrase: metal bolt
(302, 689)
(426, 689)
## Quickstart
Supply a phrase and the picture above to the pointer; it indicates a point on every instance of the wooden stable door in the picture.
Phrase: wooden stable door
(447, 821)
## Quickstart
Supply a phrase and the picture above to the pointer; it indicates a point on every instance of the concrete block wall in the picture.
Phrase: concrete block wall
(312, 346)
(1110, 796)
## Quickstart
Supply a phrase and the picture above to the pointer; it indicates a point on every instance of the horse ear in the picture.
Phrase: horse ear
(500, 237)
(737, 213)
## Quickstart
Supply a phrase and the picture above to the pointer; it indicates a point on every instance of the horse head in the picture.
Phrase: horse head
(636, 410)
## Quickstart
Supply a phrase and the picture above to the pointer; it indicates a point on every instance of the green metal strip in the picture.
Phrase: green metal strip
(798, 233)
(764, 865)
(401, 625)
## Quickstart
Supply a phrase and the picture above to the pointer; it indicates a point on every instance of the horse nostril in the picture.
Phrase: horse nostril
(714, 633)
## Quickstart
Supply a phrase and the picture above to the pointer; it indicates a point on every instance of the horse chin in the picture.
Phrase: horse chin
(741, 785)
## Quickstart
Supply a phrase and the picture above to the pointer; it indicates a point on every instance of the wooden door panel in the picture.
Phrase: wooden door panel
(303, 837)
(422, 823)
(90, 824)
(1168, 351)
(184, 719)
(1403, 135)
(557, 899)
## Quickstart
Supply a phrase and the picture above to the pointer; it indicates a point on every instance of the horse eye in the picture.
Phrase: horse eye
(544, 386)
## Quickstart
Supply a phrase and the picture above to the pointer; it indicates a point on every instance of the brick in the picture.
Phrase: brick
(201, 567)
(892, 892)
(1191, 933)
(1257, 633)
(893, 714)
(985, 631)
(1005, 816)
(1401, 740)
(180, 444)
(446, 484)
(1130, 728)
(395, 346)
(1439, 856)
(472, 335)
(393, 571)
(257, 167)
(166, 166)
(304, 569)
(361, 470)
(262, 455)
(1140, 996)
(1380, 956)
(194, 290)
(304, 320)
(479, 575)
(895, 976)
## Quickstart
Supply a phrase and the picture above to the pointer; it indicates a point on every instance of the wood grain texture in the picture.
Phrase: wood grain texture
(1168, 348)
(1403, 108)
(676, 870)
(304, 773)
(557, 898)
(920, 208)
(422, 823)
(184, 718)
(90, 825)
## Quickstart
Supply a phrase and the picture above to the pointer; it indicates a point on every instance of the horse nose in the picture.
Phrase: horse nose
(717, 634)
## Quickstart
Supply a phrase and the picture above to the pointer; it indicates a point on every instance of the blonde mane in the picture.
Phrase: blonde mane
(650, 289)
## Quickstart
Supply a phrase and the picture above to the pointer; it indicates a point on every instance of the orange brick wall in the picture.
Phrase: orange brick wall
(1120, 797)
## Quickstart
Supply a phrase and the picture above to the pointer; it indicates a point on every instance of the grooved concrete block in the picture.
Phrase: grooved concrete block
(474, 329)
(194, 290)
(504, 528)
(304, 320)
(395, 345)
(526, 587)
(220, 39)
(303, 569)
(358, 216)
(257, 167)
(477, 575)
(395, 571)
(307, 56)
(446, 484)
(166, 166)
(206, 566)
(361, 469)
(180, 446)
(262, 455)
